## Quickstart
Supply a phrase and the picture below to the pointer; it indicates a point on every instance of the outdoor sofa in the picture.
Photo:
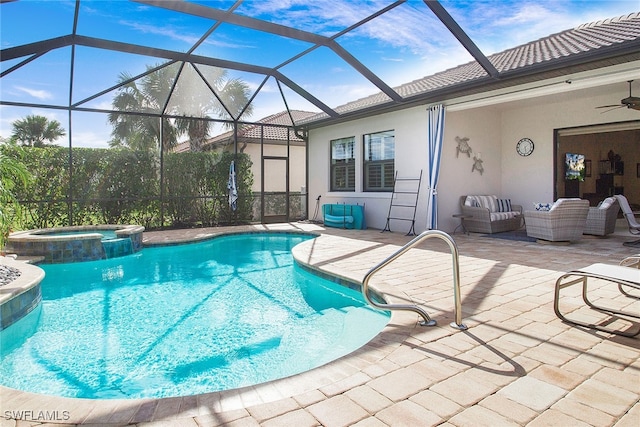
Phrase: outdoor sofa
(489, 214)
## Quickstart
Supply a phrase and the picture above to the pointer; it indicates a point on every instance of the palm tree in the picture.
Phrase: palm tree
(158, 93)
(33, 131)
(232, 98)
(138, 126)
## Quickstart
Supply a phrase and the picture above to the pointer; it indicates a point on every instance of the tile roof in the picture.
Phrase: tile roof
(584, 40)
(252, 132)
(282, 122)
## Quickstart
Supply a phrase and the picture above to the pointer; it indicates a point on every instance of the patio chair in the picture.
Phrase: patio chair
(630, 261)
(601, 220)
(634, 227)
(626, 274)
(564, 222)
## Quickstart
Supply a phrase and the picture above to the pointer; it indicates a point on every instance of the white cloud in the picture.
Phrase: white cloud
(36, 93)
(412, 28)
(513, 23)
(91, 139)
(166, 31)
(269, 87)
(181, 35)
(388, 59)
(324, 17)
(7, 117)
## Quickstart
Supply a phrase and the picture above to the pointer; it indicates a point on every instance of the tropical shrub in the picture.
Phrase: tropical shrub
(118, 186)
(13, 175)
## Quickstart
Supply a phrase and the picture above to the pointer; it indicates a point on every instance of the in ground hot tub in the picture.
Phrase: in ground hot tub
(79, 243)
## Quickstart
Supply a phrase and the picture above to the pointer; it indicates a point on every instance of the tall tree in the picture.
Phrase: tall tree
(174, 91)
(33, 131)
(138, 126)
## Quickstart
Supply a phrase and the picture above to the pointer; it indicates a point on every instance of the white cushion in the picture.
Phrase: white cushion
(488, 202)
(496, 216)
(606, 203)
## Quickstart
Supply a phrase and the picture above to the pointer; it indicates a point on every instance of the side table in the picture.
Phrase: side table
(461, 225)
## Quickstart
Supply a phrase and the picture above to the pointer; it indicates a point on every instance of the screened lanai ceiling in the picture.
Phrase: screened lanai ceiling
(245, 60)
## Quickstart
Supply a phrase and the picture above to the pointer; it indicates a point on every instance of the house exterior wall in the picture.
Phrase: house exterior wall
(274, 176)
(482, 128)
(492, 130)
(410, 157)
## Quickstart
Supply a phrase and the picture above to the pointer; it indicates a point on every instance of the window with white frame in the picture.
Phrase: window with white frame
(343, 164)
(378, 165)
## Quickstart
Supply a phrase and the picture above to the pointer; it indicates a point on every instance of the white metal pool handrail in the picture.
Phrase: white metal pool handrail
(456, 280)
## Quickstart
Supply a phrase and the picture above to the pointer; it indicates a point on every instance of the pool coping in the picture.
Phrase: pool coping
(41, 234)
(27, 284)
(102, 410)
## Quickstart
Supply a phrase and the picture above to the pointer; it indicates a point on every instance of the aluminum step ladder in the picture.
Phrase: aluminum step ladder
(404, 202)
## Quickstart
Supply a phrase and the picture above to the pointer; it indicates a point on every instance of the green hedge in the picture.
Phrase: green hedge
(121, 186)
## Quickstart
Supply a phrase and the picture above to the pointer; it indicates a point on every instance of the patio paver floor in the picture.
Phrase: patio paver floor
(517, 364)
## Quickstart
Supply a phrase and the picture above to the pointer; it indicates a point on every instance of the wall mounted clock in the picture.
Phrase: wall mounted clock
(524, 147)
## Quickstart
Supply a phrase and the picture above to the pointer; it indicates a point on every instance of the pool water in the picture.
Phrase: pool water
(182, 320)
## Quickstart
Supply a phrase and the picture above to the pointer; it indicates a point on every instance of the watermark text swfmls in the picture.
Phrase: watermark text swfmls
(37, 415)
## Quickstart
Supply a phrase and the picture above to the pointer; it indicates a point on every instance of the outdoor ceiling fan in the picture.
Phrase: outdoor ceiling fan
(629, 102)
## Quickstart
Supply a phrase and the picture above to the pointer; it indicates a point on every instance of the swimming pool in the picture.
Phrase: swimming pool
(182, 320)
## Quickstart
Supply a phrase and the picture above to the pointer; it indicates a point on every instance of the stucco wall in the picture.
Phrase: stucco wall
(492, 130)
(410, 150)
(456, 177)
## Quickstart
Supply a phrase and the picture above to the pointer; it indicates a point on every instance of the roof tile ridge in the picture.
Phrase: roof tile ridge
(609, 34)
(629, 16)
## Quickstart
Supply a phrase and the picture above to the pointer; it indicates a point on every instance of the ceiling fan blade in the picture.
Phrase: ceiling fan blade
(630, 102)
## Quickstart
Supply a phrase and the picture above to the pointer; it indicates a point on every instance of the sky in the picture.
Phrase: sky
(406, 43)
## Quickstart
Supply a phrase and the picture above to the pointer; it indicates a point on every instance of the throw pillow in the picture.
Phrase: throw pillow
(542, 206)
(504, 205)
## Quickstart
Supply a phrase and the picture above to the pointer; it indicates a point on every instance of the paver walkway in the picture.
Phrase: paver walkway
(516, 365)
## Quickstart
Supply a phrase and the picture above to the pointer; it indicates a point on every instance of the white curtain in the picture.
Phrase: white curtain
(435, 134)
